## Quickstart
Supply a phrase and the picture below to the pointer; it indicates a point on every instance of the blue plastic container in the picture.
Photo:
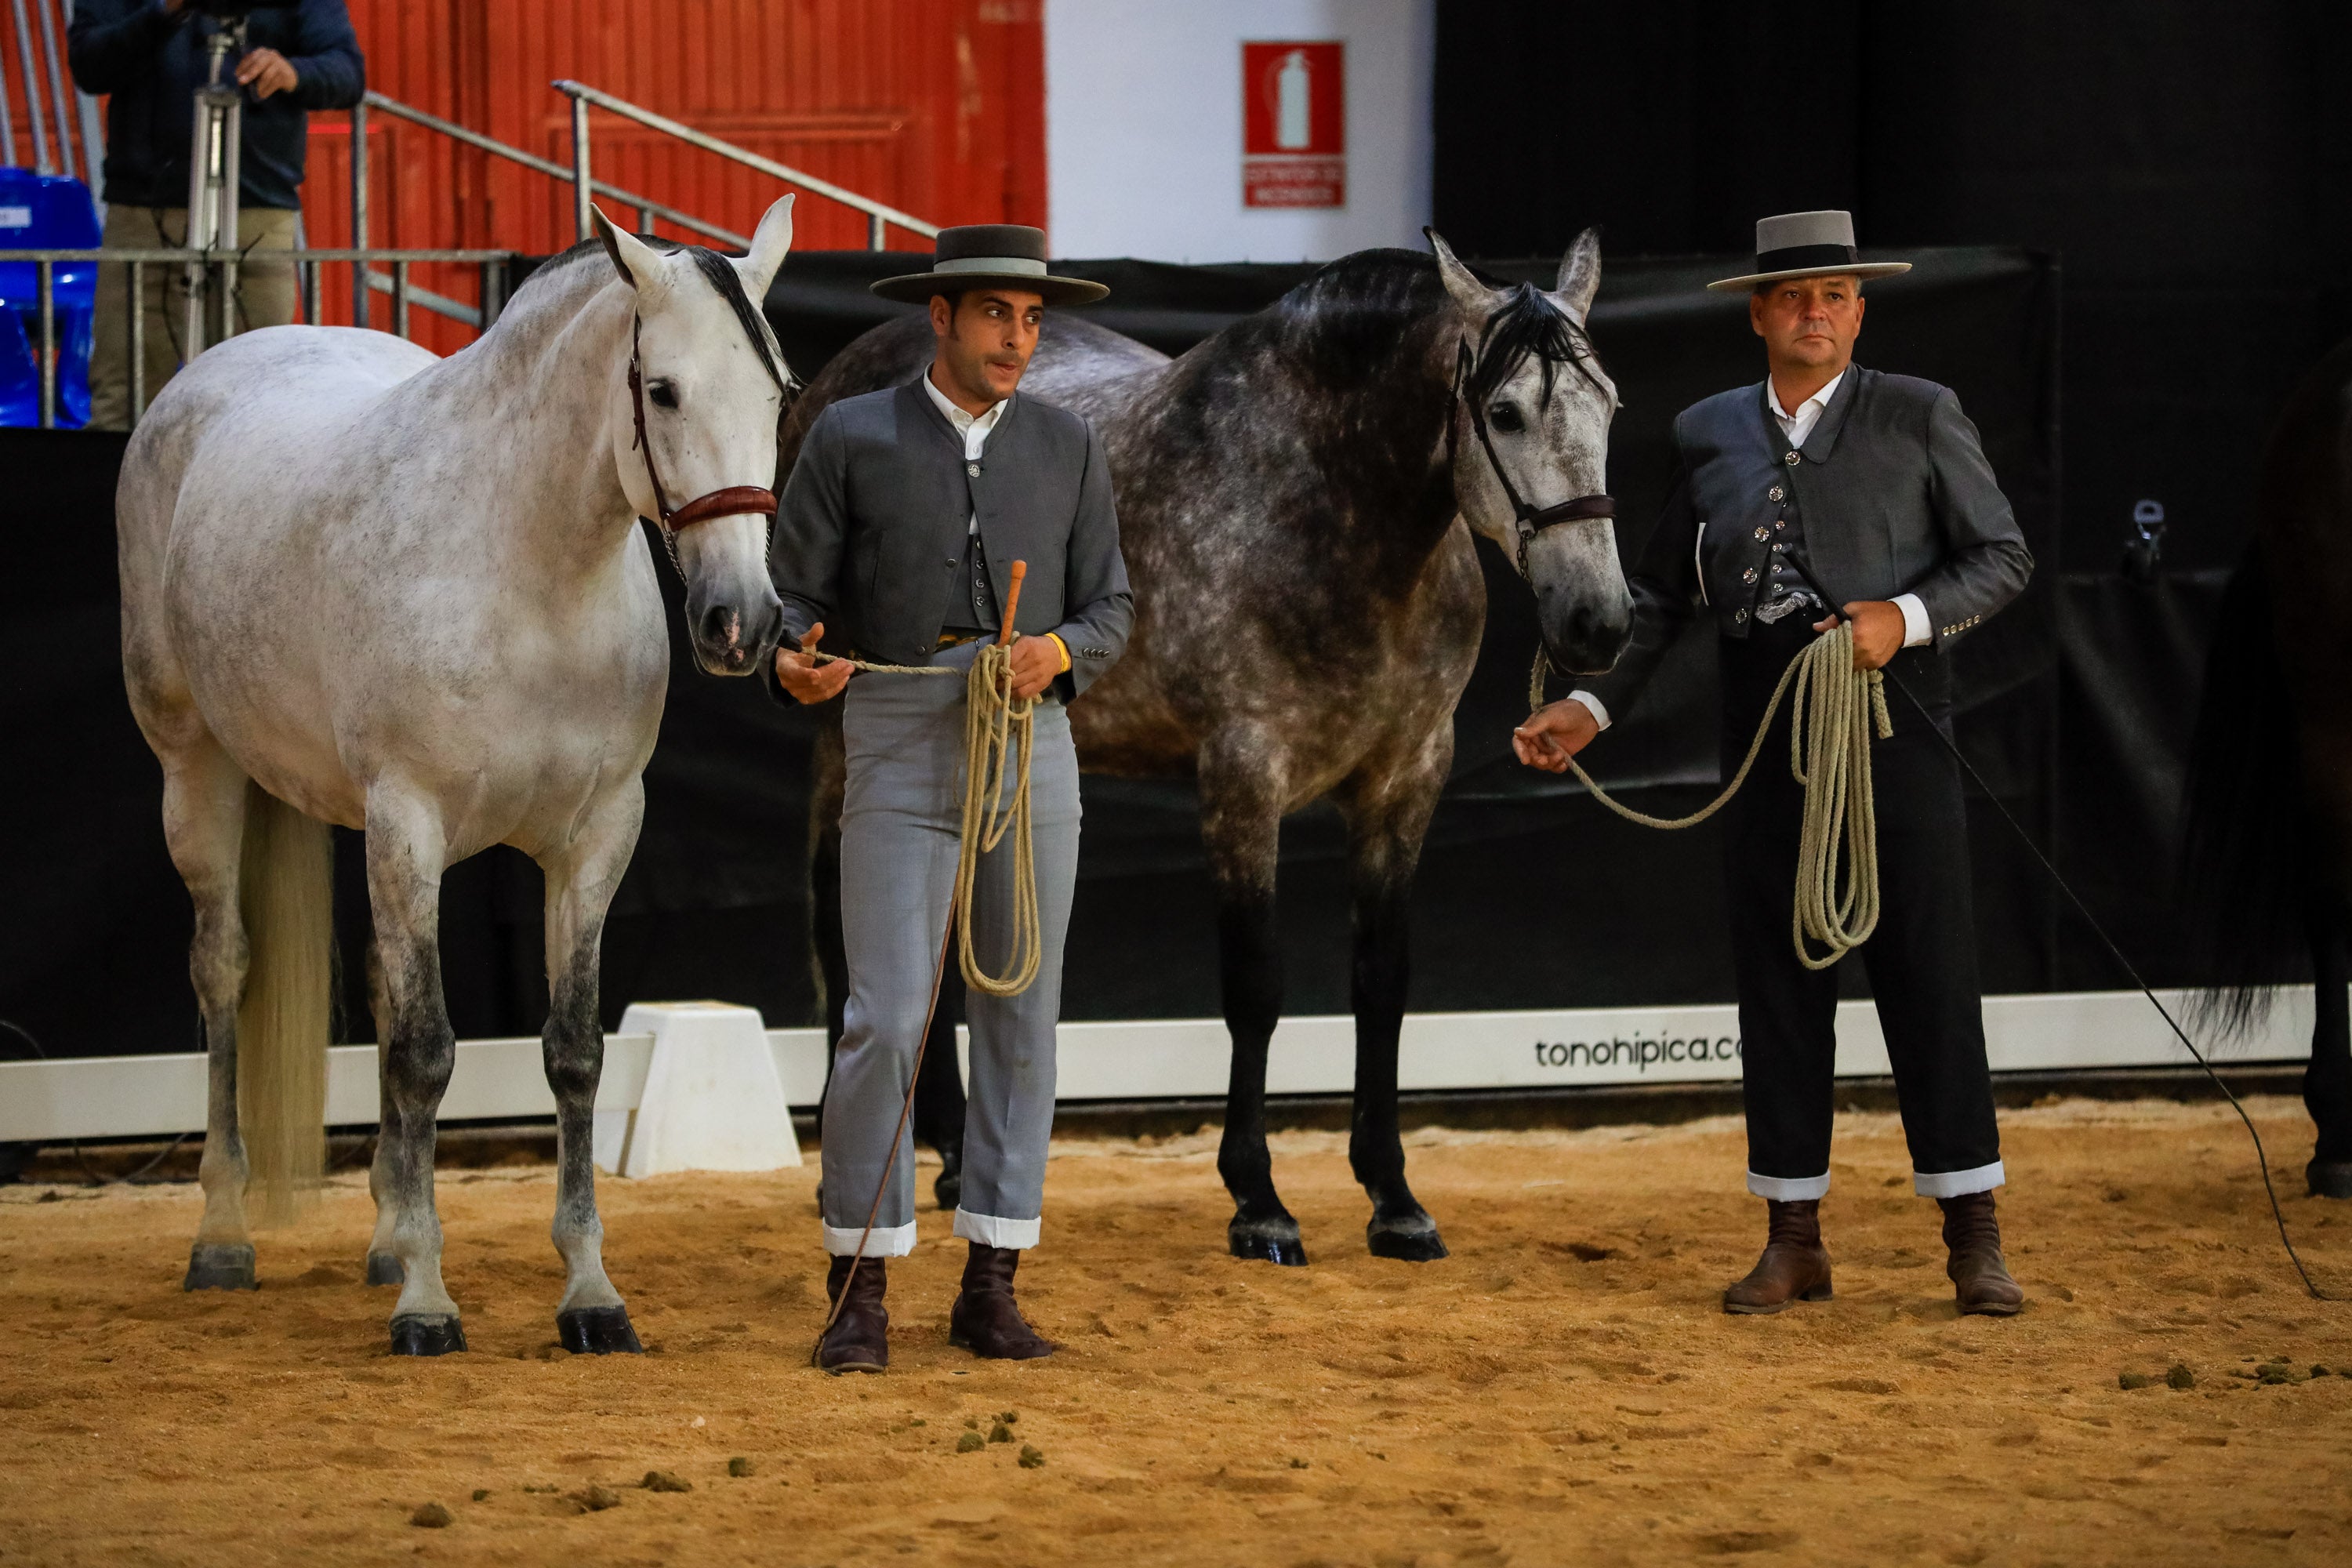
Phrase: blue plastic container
(45, 212)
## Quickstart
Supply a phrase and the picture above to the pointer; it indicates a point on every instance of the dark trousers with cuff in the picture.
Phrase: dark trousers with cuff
(1922, 959)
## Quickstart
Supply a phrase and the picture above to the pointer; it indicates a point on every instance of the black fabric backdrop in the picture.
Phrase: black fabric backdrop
(2073, 706)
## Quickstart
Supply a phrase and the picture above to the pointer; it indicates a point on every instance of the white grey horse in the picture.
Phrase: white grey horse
(364, 586)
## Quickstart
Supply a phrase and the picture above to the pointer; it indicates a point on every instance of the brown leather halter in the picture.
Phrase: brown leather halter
(735, 500)
(1531, 520)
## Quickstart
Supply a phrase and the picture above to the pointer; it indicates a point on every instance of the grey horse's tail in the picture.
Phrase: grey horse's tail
(286, 895)
(2245, 844)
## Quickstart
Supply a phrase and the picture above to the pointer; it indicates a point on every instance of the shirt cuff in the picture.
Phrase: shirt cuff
(1065, 648)
(1593, 705)
(1917, 632)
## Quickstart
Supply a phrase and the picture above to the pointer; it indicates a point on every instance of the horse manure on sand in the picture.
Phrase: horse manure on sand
(1000, 1433)
(431, 1516)
(740, 1466)
(596, 1498)
(663, 1481)
(970, 1443)
(1032, 1457)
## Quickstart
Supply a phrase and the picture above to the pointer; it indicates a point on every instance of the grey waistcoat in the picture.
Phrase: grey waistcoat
(870, 532)
(1891, 492)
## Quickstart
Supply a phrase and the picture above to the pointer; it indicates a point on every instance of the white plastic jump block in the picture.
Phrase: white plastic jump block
(712, 1099)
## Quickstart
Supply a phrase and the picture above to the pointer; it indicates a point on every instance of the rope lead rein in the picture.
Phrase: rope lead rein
(1837, 708)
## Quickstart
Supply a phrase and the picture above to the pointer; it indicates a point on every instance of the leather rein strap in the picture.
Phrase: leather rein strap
(735, 500)
(1531, 520)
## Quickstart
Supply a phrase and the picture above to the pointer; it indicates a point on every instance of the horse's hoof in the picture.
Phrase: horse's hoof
(1413, 1240)
(1267, 1241)
(2328, 1179)
(220, 1266)
(414, 1333)
(383, 1269)
(597, 1330)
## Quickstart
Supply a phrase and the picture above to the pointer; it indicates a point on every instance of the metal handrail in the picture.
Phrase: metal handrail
(137, 259)
(877, 215)
(647, 208)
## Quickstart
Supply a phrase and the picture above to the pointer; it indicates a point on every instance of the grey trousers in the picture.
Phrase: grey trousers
(266, 297)
(900, 821)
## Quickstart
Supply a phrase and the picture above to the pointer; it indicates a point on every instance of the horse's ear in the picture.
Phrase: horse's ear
(769, 242)
(1468, 292)
(638, 264)
(1580, 276)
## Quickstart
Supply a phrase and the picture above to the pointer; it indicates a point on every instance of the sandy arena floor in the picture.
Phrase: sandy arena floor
(1563, 1390)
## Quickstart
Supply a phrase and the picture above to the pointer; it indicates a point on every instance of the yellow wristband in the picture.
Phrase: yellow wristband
(1066, 650)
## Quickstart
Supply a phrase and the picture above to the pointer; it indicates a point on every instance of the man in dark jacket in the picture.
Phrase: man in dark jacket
(901, 521)
(1872, 488)
(151, 56)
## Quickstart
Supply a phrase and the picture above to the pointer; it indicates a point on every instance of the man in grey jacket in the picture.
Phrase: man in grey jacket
(900, 523)
(1874, 489)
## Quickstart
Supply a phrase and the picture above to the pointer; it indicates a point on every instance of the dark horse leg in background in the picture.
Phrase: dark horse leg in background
(1240, 826)
(2327, 1081)
(939, 1087)
(1387, 818)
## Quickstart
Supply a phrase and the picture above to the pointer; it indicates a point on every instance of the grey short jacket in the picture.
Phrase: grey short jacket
(871, 529)
(1892, 492)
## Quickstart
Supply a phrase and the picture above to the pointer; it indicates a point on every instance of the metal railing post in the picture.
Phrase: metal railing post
(400, 298)
(33, 111)
(581, 193)
(644, 220)
(138, 340)
(59, 101)
(47, 273)
(494, 292)
(7, 125)
(874, 232)
(359, 211)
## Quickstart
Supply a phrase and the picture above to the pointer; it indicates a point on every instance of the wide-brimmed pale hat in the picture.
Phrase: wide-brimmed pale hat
(975, 254)
(1807, 245)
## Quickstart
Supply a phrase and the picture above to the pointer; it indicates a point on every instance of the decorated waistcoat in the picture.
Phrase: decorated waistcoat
(1889, 494)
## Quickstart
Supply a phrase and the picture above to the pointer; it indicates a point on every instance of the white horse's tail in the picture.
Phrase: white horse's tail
(286, 894)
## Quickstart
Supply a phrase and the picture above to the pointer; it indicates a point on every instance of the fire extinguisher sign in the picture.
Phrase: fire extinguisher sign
(1294, 124)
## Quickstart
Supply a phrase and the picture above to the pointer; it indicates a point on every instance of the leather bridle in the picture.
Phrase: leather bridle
(1530, 520)
(735, 500)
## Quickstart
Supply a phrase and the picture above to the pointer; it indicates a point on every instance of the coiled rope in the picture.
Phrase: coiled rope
(998, 730)
(1837, 708)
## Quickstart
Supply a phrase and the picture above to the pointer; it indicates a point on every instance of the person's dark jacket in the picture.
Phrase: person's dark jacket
(1893, 495)
(153, 62)
(870, 532)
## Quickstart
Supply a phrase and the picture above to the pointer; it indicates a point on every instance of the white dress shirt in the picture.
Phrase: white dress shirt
(1796, 426)
(973, 428)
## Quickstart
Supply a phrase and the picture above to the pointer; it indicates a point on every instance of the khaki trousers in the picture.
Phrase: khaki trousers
(265, 298)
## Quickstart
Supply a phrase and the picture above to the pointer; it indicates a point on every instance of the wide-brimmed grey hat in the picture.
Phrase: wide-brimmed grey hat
(1807, 245)
(978, 254)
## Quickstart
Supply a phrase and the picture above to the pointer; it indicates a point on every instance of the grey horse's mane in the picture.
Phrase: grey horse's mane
(716, 270)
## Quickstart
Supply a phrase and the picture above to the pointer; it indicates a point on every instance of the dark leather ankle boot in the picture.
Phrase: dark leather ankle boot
(1980, 1281)
(1795, 1265)
(986, 1320)
(859, 1339)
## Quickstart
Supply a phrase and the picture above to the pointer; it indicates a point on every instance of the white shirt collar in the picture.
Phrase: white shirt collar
(1799, 424)
(973, 428)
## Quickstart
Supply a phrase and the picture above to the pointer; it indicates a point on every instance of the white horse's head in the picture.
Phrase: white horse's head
(1534, 379)
(705, 390)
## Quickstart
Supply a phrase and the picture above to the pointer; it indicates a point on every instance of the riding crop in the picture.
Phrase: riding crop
(998, 730)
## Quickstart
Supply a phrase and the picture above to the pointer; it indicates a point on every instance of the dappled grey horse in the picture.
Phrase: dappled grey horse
(1293, 496)
(364, 586)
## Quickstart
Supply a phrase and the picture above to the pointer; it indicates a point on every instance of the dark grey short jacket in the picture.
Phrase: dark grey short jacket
(871, 525)
(1892, 492)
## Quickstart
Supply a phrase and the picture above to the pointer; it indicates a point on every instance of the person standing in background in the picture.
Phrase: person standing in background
(151, 57)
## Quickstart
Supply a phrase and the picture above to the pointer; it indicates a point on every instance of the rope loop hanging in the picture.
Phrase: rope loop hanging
(1836, 711)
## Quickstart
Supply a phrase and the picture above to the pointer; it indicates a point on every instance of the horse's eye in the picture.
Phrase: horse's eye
(1506, 419)
(664, 395)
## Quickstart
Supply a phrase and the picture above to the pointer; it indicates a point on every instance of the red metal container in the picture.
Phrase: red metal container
(936, 107)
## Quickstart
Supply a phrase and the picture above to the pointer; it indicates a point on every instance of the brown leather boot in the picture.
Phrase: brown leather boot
(1980, 1274)
(1795, 1265)
(859, 1339)
(986, 1320)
